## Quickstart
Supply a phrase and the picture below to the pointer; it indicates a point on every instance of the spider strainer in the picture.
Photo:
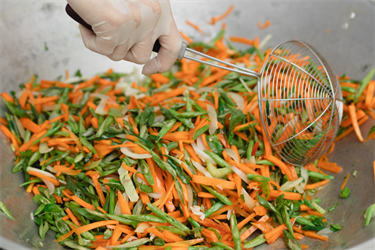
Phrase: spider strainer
(300, 100)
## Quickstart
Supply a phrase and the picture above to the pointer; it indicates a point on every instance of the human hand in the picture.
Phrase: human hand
(127, 30)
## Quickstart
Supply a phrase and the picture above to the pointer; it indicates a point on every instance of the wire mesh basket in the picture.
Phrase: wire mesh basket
(300, 102)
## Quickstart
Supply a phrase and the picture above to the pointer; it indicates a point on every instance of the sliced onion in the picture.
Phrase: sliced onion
(19, 127)
(245, 86)
(159, 118)
(32, 216)
(299, 189)
(291, 184)
(117, 209)
(305, 176)
(125, 110)
(213, 119)
(318, 127)
(202, 155)
(50, 185)
(128, 184)
(190, 195)
(152, 236)
(64, 182)
(204, 89)
(100, 95)
(131, 238)
(200, 144)
(197, 211)
(155, 195)
(324, 231)
(128, 152)
(237, 99)
(241, 174)
(250, 203)
(122, 136)
(229, 213)
(264, 41)
(201, 169)
(253, 107)
(50, 168)
(73, 79)
(232, 154)
(100, 108)
(43, 148)
(141, 227)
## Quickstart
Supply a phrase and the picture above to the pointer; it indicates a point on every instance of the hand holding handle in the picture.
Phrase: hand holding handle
(79, 20)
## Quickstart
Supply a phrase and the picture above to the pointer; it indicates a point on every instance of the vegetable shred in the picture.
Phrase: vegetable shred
(177, 160)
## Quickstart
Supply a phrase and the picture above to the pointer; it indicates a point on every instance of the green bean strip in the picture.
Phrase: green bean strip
(167, 217)
(235, 232)
(213, 209)
(165, 129)
(218, 195)
(4, 209)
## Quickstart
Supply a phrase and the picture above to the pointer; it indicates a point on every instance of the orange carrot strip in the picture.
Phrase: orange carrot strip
(245, 221)
(213, 182)
(186, 37)
(315, 185)
(353, 117)
(287, 195)
(7, 97)
(72, 217)
(44, 177)
(195, 26)
(314, 235)
(88, 227)
(215, 19)
(82, 202)
(280, 164)
(243, 40)
(346, 132)
(345, 181)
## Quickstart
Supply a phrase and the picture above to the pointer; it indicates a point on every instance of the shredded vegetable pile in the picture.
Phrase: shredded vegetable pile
(176, 161)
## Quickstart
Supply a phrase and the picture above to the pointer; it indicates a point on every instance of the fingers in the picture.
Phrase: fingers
(141, 51)
(167, 55)
(95, 43)
(119, 52)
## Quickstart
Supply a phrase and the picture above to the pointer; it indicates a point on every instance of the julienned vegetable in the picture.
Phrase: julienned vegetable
(178, 158)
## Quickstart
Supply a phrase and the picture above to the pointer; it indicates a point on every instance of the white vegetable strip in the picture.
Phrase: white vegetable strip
(141, 227)
(128, 184)
(324, 231)
(19, 126)
(250, 203)
(213, 119)
(197, 211)
(202, 155)
(237, 99)
(232, 154)
(201, 169)
(291, 184)
(43, 148)
(128, 152)
(241, 174)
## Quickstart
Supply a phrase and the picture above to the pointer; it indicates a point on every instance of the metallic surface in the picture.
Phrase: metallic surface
(27, 26)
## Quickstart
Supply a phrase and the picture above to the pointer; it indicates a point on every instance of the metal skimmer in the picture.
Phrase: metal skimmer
(299, 98)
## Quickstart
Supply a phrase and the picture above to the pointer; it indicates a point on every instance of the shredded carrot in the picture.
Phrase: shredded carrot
(345, 181)
(215, 19)
(353, 117)
(195, 27)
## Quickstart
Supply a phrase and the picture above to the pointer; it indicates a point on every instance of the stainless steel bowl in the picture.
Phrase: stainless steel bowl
(342, 31)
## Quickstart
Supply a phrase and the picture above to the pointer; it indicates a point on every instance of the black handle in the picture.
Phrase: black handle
(79, 20)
